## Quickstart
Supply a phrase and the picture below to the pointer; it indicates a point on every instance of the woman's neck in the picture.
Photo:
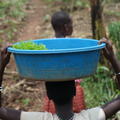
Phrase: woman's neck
(59, 35)
(64, 111)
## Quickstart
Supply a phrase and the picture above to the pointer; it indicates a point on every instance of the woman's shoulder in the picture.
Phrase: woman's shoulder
(96, 113)
(36, 116)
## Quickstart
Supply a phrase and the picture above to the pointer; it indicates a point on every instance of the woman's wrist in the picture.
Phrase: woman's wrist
(115, 64)
(117, 74)
(3, 113)
(112, 58)
(2, 67)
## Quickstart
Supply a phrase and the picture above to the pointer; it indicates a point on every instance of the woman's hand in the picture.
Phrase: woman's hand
(109, 54)
(108, 50)
(4, 57)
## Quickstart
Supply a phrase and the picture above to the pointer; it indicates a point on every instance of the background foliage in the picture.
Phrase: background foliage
(11, 13)
(100, 88)
(114, 34)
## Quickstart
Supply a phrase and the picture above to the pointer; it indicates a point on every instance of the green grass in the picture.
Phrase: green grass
(12, 8)
(114, 34)
(112, 13)
(26, 101)
(11, 14)
(112, 1)
(100, 88)
(73, 3)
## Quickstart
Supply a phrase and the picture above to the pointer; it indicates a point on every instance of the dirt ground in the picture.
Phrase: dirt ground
(29, 95)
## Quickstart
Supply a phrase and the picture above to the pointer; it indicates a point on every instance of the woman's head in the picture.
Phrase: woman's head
(61, 22)
(61, 92)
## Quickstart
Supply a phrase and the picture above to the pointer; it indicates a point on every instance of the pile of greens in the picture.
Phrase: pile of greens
(29, 46)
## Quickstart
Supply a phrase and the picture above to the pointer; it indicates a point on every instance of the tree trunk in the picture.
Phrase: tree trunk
(98, 27)
(97, 19)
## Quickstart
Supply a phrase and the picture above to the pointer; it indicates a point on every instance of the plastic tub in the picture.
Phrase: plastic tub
(65, 59)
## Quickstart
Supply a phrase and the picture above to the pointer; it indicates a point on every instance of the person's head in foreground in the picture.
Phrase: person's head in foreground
(62, 24)
(61, 92)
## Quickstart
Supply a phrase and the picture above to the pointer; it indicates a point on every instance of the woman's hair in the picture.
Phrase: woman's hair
(59, 19)
(61, 92)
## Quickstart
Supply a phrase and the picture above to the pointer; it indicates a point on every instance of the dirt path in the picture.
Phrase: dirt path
(33, 22)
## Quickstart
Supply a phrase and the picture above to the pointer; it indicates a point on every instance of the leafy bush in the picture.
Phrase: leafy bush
(112, 13)
(114, 34)
(112, 1)
(13, 8)
(11, 12)
(100, 87)
(26, 101)
(69, 5)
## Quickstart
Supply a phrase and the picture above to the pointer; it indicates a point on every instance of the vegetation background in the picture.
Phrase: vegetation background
(30, 19)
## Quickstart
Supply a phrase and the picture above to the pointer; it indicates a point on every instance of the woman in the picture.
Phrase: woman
(62, 94)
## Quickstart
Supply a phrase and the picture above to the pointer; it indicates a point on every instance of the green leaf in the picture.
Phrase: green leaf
(26, 101)
(104, 68)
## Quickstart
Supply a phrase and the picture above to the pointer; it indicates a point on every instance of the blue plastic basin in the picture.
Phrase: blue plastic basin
(65, 59)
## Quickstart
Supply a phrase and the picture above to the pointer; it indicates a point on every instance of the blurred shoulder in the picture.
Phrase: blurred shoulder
(36, 116)
(91, 114)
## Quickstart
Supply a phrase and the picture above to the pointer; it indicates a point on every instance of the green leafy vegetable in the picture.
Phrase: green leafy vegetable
(29, 46)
